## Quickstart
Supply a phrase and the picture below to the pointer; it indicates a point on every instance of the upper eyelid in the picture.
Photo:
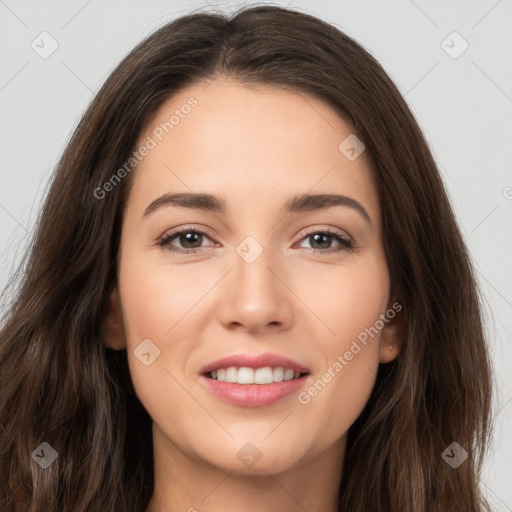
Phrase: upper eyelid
(186, 229)
(336, 231)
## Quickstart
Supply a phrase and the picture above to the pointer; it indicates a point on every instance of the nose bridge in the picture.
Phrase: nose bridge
(252, 270)
(256, 295)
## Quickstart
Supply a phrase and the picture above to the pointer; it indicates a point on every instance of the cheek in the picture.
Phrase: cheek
(358, 306)
(350, 301)
(350, 347)
(166, 304)
(156, 297)
(155, 305)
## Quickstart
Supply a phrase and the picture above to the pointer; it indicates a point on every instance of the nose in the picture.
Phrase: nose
(255, 297)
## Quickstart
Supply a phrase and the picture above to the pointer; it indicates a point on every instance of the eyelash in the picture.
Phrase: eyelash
(345, 243)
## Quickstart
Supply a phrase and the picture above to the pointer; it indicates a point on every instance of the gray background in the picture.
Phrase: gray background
(463, 104)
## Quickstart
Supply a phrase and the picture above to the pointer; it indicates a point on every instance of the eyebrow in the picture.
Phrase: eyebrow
(297, 204)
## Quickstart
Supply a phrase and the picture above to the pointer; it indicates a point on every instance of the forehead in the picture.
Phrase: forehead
(247, 144)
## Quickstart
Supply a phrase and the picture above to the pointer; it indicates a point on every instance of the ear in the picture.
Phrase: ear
(391, 339)
(112, 327)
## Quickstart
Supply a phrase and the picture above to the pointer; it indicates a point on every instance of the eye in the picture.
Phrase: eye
(190, 238)
(191, 241)
(324, 238)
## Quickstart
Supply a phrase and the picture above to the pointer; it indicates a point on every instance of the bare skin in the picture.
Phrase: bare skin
(255, 149)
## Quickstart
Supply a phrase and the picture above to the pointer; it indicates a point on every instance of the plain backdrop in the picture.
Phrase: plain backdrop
(458, 85)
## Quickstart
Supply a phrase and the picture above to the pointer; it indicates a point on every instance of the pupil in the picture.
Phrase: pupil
(189, 238)
(318, 235)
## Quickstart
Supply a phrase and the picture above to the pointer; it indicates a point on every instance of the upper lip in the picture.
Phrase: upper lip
(254, 361)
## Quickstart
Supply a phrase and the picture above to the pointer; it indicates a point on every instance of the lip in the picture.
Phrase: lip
(252, 395)
(254, 361)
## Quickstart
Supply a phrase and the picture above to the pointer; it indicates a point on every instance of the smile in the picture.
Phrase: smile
(253, 394)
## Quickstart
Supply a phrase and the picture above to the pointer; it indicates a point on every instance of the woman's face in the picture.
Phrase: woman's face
(253, 277)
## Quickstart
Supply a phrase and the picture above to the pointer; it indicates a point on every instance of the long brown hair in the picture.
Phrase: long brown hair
(59, 383)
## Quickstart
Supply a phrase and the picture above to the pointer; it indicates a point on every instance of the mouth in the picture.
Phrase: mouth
(253, 380)
(248, 387)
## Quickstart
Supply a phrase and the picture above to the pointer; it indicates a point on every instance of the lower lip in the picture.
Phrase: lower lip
(252, 395)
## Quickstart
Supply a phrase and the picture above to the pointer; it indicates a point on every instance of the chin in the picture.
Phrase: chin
(258, 457)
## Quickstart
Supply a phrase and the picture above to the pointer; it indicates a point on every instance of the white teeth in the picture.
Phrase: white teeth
(278, 374)
(231, 374)
(245, 375)
(288, 374)
(264, 376)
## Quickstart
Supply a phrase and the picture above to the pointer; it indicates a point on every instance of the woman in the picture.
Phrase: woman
(248, 370)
